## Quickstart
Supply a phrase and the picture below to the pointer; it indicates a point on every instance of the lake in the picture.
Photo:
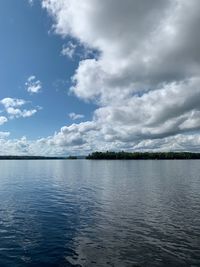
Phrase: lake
(99, 213)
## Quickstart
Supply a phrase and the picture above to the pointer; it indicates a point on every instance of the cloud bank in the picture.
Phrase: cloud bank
(146, 79)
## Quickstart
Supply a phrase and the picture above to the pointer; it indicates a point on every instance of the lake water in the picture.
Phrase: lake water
(99, 213)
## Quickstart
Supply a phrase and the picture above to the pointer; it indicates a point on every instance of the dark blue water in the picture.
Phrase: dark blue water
(99, 213)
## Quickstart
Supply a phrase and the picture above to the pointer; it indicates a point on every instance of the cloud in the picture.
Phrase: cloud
(4, 135)
(146, 78)
(31, 2)
(33, 86)
(74, 135)
(174, 143)
(3, 120)
(58, 145)
(69, 50)
(75, 116)
(170, 110)
(12, 102)
(17, 113)
(13, 108)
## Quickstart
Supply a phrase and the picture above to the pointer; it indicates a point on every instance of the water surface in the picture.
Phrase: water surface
(99, 213)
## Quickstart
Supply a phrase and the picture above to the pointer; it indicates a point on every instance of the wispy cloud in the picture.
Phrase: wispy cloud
(33, 86)
(75, 116)
(3, 120)
(69, 50)
(17, 113)
(31, 2)
(4, 135)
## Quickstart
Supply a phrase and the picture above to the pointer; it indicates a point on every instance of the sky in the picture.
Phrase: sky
(80, 76)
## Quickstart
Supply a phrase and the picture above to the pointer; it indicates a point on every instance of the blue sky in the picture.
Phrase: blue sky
(79, 76)
(29, 47)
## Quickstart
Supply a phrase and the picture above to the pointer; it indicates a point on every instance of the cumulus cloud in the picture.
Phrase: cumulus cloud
(142, 43)
(75, 116)
(12, 102)
(75, 134)
(140, 59)
(13, 108)
(33, 86)
(146, 78)
(57, 145)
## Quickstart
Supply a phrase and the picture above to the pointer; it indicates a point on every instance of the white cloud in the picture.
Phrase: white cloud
(33, 86)
(168, 111)
(17, 113)
(4, 135)
(12, 102)
(14, 110)
(3, 120)
(60, 145)
(31, 78)
(75, 116)
(83, 138)
(69, 49)
(146, 79)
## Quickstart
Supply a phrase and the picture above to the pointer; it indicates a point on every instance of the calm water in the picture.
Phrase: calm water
(99, 213)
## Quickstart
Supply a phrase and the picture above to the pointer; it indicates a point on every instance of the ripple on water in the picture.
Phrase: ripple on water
(99, 213)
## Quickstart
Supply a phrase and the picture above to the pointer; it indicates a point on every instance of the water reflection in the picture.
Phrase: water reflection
(99, 213)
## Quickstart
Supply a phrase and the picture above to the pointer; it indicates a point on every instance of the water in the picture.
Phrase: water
(99, 213)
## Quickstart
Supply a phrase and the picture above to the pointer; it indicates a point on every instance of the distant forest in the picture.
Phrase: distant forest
(115, 156)
(143, 155)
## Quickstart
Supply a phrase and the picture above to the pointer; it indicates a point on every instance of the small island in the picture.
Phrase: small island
(122, 155)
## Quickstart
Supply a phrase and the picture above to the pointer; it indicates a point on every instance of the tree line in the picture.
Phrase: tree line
(143, 155)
